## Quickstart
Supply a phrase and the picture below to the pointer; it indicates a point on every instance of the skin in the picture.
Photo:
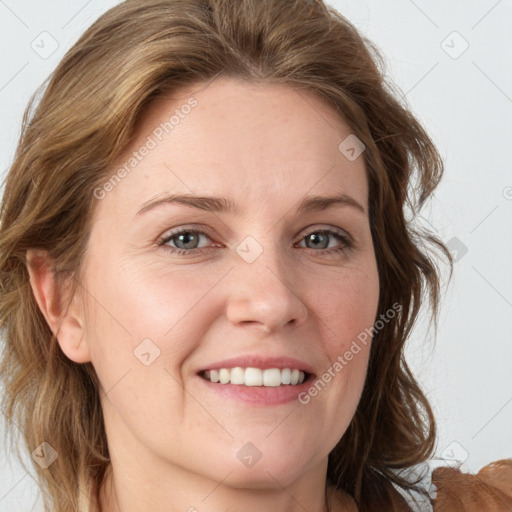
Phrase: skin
(173, 442)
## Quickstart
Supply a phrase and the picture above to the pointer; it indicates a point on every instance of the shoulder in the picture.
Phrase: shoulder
(490, 489)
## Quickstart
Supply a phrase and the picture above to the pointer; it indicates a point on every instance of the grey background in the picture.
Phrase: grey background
(463, 96)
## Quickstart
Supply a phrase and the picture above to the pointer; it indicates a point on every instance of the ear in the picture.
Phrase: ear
(65, 320)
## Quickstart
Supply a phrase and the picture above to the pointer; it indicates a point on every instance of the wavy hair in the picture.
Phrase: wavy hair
(80, 121)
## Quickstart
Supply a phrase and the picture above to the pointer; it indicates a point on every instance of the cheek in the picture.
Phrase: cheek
(133, 304)
(346, 311)
(347, 305)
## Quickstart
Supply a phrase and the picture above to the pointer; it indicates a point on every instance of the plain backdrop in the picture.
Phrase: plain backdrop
(452, 62)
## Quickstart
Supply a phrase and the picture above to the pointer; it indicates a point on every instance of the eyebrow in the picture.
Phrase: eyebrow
(224, 205)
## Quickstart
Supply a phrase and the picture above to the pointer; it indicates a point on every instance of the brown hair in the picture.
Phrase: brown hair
(85, 118)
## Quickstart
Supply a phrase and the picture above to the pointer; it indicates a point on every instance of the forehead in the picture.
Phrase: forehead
(252, 141)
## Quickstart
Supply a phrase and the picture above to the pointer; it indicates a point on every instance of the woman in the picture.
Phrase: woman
(207, 274)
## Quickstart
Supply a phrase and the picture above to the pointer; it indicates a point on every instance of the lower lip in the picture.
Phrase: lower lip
(259, 395)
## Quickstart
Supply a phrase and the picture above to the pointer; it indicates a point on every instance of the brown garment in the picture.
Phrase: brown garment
(490, 490)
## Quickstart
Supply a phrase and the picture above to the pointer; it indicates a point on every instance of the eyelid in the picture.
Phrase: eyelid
(318, 227)
(187, 227)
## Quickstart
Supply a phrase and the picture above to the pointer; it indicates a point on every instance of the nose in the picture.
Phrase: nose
(265, 294)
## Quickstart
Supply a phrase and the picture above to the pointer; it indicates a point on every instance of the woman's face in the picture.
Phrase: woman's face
(274, 275)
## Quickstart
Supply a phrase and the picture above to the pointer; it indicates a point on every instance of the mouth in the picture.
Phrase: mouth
(256, 377)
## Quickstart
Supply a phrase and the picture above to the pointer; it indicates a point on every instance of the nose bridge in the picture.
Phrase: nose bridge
(265, 290)
(263, 255)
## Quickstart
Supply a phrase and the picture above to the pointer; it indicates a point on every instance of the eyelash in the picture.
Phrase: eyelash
(347, 242)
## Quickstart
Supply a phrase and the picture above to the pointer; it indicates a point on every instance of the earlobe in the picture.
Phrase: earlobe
(64, 319)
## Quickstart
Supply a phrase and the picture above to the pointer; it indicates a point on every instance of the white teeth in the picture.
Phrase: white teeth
(237, 375)
(270, 377)
(253, 377)
(286, 376)
(224, 375)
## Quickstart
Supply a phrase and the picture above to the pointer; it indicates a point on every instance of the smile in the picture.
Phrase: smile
(270, 377)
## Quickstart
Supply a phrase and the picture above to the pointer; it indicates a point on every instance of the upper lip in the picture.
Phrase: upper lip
(262, 362)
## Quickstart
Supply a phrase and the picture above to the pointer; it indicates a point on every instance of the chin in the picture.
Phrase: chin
(276, 470)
